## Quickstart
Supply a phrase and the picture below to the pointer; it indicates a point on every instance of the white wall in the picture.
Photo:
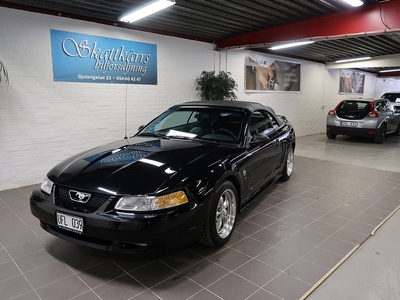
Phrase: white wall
(43, 122)
(385, 85)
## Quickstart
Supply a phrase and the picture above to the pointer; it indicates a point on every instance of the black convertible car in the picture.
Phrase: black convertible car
(182, 178)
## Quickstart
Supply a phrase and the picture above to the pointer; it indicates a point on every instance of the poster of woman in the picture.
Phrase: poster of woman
(351, 82)
(274, 75)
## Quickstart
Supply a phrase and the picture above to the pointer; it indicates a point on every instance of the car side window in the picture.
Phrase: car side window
(262, 122)
(380, 106)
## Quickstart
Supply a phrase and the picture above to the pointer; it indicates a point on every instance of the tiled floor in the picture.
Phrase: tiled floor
(284, 242)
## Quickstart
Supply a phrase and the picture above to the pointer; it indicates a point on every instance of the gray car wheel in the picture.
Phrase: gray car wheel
(380, 137)
(289, 163)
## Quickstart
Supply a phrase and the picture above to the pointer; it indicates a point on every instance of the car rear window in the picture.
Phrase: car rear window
(352, 109)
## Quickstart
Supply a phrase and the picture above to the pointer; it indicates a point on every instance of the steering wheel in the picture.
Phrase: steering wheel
(225, 132)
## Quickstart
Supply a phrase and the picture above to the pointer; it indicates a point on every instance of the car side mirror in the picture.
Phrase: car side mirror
(259, 138)
(140, 127)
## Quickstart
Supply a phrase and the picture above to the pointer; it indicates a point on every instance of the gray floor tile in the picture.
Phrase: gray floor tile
(297, 247)
(34, 260)
(298, 220)
(229, 259)
(8, 270)
(64, 288)
(233, 287)
(306, 271)
(47, 274)
(122, 288)
(206, 273)
(182, 260)
(309, 236)
(268, 236)
(284, 229)
(247, 228)
(257, 272)
(323, 258)
(278, 258)
(359, 227)
(279, 286)
(262, 220)
(323, 228)
(98, 274)
(17, 237)
(153, 273)
(4, 257)
(203, 295)
(263, 295)
(146, 295)
(336, 246)
(177, 288)
(14, 287)
(349, 236)
(25, 248)
(251, 247)
(32, 295)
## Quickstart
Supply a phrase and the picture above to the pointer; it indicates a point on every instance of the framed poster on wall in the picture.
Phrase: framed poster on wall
(88, 58)
(351, 82)
(271, 75)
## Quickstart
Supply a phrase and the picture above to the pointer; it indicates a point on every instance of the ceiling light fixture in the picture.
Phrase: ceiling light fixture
(387, 71)
(295, 44)
(354, 3)
(353, 59)
(146, 10)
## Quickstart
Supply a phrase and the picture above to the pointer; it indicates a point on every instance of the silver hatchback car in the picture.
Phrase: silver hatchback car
(368, 117)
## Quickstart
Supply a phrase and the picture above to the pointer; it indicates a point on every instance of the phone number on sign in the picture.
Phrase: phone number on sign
(123, 78)
(108, 78)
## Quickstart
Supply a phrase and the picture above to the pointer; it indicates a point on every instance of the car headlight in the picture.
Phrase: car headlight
(149, 203)
(46, 186)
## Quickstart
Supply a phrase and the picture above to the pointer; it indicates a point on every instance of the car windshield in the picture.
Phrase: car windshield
(392, 97)
(212, 124)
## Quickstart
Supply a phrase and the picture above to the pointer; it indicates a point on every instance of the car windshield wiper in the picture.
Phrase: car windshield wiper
(153, 135)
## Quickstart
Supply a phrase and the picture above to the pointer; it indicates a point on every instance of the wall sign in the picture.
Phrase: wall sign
(96, 59)
(273, 75)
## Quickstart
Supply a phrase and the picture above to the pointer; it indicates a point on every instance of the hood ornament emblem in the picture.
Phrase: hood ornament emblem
(79, 196)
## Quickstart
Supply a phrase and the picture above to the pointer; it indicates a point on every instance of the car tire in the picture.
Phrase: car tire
(289, 163)
(380, 137)
(220, 216)
(330, 136)
(397, 132)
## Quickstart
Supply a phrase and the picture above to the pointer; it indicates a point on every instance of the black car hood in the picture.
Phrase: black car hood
(138, 165)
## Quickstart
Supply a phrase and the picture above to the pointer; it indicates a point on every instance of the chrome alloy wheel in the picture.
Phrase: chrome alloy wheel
(226, 213)
(290, 161)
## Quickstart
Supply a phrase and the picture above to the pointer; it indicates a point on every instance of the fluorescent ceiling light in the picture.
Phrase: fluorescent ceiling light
(146, 10)
(387, 71)
(295, 44)
(354, 3)
(353, 59)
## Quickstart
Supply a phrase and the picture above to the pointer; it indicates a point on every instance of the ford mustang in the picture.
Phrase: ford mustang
(181, 178)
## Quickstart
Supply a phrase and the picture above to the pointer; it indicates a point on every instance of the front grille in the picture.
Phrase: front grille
(61, 198)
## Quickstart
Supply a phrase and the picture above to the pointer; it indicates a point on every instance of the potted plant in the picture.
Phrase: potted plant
(216, 87)
(3, 73)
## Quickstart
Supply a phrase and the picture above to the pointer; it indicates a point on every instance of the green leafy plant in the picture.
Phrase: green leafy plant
(3, 73)
(216, 87)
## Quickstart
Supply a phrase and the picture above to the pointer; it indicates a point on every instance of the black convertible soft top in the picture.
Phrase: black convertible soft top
(250, 106)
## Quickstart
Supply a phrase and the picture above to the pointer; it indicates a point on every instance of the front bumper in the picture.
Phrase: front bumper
(107, 230)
